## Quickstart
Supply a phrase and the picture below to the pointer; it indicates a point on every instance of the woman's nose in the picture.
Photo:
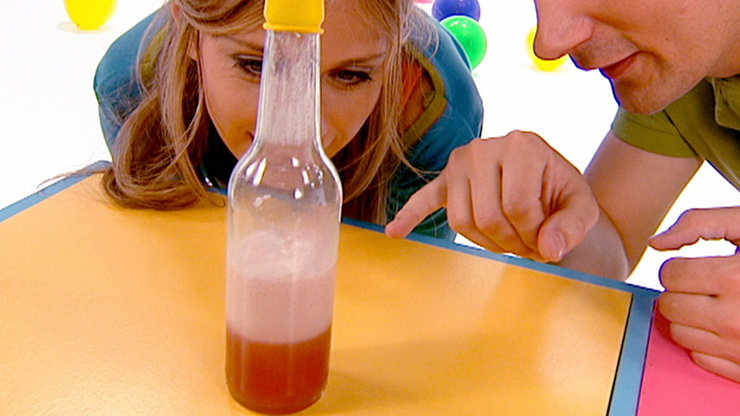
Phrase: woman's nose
(324, 125)
(326, 133)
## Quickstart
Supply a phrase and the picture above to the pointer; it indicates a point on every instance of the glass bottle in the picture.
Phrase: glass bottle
(284, 213)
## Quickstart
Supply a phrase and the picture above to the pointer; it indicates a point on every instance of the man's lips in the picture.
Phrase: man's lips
(616, 69)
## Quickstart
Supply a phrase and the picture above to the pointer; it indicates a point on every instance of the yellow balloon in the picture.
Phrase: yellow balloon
(90, 14)
(545, 65)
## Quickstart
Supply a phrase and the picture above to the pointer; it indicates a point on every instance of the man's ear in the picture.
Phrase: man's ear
(179, 18)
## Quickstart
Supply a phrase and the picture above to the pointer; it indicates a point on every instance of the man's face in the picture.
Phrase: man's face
(652, 51)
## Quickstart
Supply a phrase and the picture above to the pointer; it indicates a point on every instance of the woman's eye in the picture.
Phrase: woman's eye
(251, 65)
(351, 78)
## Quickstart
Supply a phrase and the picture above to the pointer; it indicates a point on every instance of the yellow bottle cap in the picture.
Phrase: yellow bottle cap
(294, 15)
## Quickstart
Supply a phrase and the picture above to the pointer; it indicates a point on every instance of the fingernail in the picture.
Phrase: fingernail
(554, 250)
(560, 245)
(656, 236)
(655, 239)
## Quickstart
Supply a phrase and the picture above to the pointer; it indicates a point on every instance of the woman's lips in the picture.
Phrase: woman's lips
(613, 71)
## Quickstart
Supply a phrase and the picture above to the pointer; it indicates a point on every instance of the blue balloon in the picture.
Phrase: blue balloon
(442, 9)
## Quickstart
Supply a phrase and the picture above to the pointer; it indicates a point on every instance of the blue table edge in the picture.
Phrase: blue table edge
(625, 395)
(54, 188)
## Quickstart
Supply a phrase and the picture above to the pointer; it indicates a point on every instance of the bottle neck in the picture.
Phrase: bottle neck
(288, 114)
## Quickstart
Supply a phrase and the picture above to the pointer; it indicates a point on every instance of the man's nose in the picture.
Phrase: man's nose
(560, 28)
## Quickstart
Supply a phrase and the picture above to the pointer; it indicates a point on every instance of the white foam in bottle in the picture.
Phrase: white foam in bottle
(280, 290)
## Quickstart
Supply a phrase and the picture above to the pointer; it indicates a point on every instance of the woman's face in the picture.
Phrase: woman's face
(352, 56)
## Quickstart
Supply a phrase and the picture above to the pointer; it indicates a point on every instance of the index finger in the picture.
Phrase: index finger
(425, 201)
(700, 223)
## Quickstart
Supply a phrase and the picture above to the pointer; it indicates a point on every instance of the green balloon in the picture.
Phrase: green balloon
(470, 34)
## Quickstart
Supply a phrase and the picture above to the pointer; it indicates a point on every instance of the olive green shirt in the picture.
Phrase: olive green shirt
(704, 122)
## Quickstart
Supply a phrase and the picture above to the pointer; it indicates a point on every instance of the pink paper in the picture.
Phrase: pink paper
(673, 385)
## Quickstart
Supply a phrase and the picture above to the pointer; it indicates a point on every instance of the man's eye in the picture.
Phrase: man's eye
(252, 66)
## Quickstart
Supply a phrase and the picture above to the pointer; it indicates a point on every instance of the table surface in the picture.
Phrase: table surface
(117, 311)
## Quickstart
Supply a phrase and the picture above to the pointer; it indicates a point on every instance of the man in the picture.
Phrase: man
(674, 67)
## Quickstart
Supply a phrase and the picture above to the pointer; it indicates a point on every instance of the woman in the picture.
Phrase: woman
(178, 100)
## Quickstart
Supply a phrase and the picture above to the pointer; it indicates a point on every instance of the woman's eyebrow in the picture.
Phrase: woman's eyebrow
(371, 58)
(359, 60)
(245, 43)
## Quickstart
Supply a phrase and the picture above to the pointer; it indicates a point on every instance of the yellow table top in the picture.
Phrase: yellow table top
(115, 311)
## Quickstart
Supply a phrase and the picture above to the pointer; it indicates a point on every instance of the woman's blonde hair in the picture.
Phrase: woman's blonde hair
(163, 140)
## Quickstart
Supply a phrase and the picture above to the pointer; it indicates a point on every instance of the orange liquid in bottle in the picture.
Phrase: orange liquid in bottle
(277, 378)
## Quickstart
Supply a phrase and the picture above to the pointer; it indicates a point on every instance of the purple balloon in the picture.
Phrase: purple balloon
(442, 9)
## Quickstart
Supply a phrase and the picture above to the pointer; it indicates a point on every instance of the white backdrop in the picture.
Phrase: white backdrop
(49, 121)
